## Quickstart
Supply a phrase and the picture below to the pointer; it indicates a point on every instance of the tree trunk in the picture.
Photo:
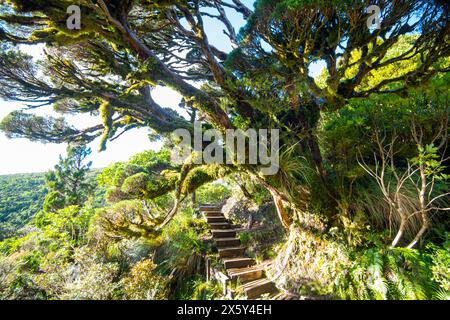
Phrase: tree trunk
(194, 199)
(399, 235)
(170, 215)
(278, 201)
(313, 146)
(281, 210)
(423, 213)
(425, 224)
(246, 193)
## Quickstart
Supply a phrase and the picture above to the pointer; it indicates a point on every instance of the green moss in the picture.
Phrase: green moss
(106, 111)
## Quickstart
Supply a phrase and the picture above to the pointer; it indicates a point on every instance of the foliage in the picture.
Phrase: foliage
(110, 66)
(84, 279)
(384, 273)
(111, 252)
(125, 219)
(143, 283)
(22, 196)
(201, 290)
(181, 252)
(387, 84)
(68, 183)
(312, 266)
(213, 193)
(441, 263)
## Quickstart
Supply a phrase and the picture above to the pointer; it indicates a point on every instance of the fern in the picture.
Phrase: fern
(442, 294)
(386, 273)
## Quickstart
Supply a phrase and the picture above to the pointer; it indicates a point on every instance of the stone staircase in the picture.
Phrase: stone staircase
(238, 267)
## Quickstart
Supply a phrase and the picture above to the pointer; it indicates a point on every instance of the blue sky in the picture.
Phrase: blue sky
(22, 156)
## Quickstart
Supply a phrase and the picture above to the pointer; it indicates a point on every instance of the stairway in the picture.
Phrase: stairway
(238, 267)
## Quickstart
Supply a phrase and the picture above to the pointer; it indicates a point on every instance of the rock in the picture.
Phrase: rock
(241, 211)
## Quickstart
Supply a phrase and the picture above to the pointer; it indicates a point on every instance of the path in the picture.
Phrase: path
(238, 266)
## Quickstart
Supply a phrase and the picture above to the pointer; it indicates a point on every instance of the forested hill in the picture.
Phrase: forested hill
(21, 196)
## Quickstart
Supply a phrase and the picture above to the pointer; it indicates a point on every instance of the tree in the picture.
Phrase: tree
(68, 184)
(425, 172)
(126, 48)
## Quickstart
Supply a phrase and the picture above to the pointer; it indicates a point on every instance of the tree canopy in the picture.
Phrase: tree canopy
(126, 48)
(68, 184)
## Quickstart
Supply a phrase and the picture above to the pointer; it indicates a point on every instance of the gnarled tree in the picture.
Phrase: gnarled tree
(126, 48)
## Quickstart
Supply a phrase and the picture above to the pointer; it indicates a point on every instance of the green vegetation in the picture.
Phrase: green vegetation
(75, 249)
(68, 184)
(358, 209)
(21, 197)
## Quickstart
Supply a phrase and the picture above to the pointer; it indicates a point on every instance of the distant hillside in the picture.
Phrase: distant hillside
(21, 197)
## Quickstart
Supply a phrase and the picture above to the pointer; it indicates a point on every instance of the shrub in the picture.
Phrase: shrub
(144, 283)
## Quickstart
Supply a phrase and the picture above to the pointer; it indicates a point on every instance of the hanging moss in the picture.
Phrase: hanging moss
(126, 219)
(202, 175)
(106, 113)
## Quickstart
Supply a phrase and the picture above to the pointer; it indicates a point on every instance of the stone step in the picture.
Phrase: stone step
(278, 296)
(257, 288)
(209, 208)
(221, 225)
(244, 275)
(240, 262)
(215, 219)
(231, 252)
(207, 217)
(283, 296)
(213, 214)
(223, 233)
(227, 242)
(286, 296)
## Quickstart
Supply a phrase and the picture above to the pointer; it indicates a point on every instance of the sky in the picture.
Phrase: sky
(24, 156)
